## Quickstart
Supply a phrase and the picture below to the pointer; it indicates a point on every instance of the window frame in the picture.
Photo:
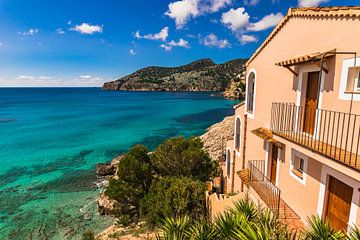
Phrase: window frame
(296, 172)
(251, 114)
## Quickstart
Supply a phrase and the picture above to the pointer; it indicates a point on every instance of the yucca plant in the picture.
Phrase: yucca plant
(321, 230)
(202, 231)
(354, 233)
(174, 229)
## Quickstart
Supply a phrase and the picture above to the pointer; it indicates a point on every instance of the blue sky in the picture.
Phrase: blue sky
(84, 43)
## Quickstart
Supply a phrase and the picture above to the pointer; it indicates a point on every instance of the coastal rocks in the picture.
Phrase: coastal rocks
(215, 138)
(107, 170)
(237, 87)
(105, 205)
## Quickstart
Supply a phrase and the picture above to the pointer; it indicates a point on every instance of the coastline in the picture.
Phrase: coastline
(213, 139)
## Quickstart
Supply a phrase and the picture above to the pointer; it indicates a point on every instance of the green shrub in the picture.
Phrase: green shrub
(88, 235)
(173, 197)
(135, 178)
(183, 157)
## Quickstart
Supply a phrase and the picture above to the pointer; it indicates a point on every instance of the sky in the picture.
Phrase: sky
(88, 42)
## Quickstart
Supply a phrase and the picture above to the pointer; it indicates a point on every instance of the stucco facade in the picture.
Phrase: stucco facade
(302, 32)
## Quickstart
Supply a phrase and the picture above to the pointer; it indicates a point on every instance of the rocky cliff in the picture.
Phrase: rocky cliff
(201, 75)
(216, 136)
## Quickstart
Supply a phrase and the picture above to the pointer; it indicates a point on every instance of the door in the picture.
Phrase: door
(338, 203)
(274, 156)
(311, 101)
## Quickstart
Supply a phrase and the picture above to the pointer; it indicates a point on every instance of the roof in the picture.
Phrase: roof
(343, 12)
(307, 58)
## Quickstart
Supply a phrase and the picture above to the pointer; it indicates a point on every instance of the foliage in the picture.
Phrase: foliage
(245, 222)
(167, 182)
(183, 157)
(354, 233)
(174, 196)
(134, 180)
(321, 230)
(88, 235)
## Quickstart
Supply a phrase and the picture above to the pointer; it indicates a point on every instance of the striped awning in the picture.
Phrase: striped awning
(307, 58)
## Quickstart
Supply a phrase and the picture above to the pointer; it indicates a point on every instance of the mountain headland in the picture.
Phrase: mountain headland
(202, 75)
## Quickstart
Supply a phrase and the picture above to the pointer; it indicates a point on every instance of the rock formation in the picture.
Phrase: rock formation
(216, 136)
(201, 75)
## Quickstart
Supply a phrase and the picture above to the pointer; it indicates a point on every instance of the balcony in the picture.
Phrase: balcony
(335, 135)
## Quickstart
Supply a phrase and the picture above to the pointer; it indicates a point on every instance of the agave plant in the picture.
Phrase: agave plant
(354, 233)
(202, 231)
(321, 230)
(174, 229)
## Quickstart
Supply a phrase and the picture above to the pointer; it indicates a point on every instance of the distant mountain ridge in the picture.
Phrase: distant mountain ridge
(200, 75)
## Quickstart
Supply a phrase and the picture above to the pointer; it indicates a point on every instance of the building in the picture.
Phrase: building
(296, 145)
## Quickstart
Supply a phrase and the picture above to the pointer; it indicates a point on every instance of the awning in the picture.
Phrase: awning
(308, 58)
(265, 134)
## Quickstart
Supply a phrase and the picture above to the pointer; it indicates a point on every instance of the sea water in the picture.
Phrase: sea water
(52, 138)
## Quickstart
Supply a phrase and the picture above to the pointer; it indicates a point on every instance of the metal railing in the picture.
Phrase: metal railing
(266, 190)
(330, 133)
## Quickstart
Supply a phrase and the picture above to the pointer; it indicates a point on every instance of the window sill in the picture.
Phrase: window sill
(298, 174)
(351, 92)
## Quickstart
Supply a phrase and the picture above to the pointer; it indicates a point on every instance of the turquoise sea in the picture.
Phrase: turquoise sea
(51, 139)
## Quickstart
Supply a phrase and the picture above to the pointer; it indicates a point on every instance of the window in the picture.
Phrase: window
(298, 166)
(237, 133)
(349, 88)
(250, 92)
(228, 158)
(357, 83)
(353, 80)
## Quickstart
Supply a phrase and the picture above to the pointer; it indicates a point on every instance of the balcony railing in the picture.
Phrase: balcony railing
(266, 190)
(333, 134)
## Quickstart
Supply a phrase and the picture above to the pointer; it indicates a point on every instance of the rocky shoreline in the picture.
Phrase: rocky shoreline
(214, 140)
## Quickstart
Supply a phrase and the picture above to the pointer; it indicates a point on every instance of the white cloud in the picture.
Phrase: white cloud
(166, 47)
(132, 52)
(85, 76)
(1, 43)
(184, 10)
(266, 22)
(181, 43)
(51, 81)
(86, 28)
(162, 35)
(30, 32)
(60, 31)
(236, 19)
(244, 39)
(212, 40)
(311, 3)
(251, 2)
(216, 5)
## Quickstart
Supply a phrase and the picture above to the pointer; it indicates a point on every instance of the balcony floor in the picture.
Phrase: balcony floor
(340, 155)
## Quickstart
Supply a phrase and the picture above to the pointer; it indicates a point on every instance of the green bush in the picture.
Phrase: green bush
(173, 197)
(135, 178)
(183, 157)
(88, 235)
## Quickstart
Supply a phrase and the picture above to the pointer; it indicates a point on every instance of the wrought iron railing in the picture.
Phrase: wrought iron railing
(333, 134)
(266, 190)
